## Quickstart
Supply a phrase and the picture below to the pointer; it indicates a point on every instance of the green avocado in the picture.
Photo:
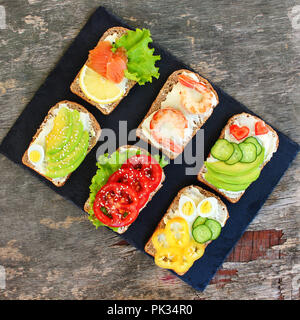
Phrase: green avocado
(61, 131)
(77, 131)
(236, 169)
(71, 162)
(248, 177)
(224, 185)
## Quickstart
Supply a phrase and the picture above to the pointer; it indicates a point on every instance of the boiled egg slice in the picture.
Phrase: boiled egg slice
(187, 209)
(36, 154)
(208, 207)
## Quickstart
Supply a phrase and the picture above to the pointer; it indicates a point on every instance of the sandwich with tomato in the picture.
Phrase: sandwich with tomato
(194, 219)
(124, 183)
(121, 59)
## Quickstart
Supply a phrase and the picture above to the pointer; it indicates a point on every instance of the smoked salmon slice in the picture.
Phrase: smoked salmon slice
(110, 65)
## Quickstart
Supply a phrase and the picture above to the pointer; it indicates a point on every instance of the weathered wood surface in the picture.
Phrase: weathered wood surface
(48, 248)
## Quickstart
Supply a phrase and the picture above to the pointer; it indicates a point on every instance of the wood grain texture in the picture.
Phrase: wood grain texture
(48, 247)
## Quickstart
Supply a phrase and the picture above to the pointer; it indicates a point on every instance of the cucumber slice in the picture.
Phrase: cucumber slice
(222, 150)
(202, 233)
(199, 220)
(236, 156)
(256, 143)
(215, 228)
(249, 152)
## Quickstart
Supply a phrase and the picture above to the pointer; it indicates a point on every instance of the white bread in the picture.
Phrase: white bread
(92, 142)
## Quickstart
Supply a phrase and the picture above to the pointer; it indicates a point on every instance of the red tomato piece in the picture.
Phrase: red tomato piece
(148, 168)
(137, 182)
(260, 128)
(116, 205)
(239, 132)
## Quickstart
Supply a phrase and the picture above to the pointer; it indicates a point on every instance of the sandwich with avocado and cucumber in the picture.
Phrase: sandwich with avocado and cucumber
(124, 183)
(121, 59)
(194, 219)
(62, 142)
(245, 146)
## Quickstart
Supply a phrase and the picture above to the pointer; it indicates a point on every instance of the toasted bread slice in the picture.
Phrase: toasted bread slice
(149, 247)
(94, 133)
(236, 196)
(75, 87)
(161, 97)
(121, 230)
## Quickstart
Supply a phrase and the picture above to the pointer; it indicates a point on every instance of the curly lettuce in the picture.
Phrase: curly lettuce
(141, 60)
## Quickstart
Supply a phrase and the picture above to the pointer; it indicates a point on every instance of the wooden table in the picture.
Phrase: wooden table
(49, 249)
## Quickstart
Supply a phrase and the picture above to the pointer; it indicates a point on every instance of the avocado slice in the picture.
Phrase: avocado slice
(61, 131)
(248, 177)
(70, 163)
(236, 169)
(224, 185)
(77, 131)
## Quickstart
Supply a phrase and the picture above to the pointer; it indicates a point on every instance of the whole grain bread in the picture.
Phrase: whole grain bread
(75, 87)
(121, 230)
(156, 105)
(149, 247)
(92, 142)
(222, 135)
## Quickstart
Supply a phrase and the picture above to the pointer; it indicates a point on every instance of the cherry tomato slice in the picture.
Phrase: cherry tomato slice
(116, 205)
(137, 182)
(147, 167)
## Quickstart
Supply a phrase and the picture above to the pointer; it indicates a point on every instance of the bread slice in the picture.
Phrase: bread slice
(121, 230)
(161, 97)
(75, 87)
(238, 195)
(94, 136)
(149, 248)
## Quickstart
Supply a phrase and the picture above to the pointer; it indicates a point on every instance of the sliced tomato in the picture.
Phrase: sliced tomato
(167, 124)
(260, 128)
(148, 168)
(137, 182)
(116, 205)
(239, 132)
(99, 57)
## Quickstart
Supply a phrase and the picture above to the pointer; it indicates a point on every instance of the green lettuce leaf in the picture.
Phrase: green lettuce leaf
(107, 165)
(141, 60)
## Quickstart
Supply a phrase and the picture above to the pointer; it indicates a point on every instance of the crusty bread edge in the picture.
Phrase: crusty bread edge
(75, 87)
(200, 176)
(92, 143)
(87, 206)
(156, 105)
(149, 248)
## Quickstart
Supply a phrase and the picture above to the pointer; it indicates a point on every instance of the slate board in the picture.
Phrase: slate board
(132, 109)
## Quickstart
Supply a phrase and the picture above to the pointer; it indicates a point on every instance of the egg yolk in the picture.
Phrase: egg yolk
(34, 156)
(187, 208)
(205, 207)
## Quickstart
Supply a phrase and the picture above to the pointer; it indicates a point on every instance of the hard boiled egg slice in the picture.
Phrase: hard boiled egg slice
(208, 207)
(36, 154)
(187, 209)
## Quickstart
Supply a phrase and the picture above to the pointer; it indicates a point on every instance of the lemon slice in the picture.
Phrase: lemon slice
(98, 88)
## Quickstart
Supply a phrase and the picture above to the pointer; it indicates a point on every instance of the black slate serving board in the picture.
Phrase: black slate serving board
(132, 109)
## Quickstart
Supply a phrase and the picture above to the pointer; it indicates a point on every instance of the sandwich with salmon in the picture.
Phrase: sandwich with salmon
(124, 183)
(181, 108)
(121, 59)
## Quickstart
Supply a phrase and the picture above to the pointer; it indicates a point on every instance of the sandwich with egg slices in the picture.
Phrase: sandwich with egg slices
(181, 108)
(62, 142)
(121, 59)
(245, 146)
(192, 221)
